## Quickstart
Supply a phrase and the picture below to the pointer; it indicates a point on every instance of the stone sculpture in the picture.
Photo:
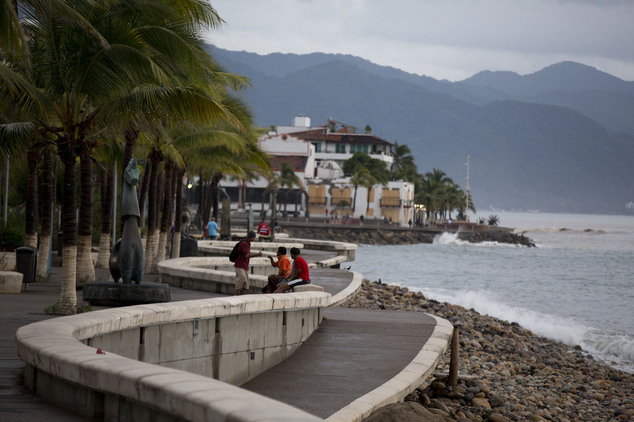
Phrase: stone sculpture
(127, 259)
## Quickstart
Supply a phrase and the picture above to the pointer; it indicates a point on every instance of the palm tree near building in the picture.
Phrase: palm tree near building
(286, 177)
(362, 177)
(403, 167)
(450, 196)
(216, 150)
(240, 158)
(462, 205)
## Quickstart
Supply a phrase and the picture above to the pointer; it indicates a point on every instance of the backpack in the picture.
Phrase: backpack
(234, 252)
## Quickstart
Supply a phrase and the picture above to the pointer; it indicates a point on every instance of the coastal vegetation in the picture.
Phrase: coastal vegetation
(87, 86)
(435, 190)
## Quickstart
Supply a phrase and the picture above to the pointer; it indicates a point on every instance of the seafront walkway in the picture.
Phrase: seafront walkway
(356, 361)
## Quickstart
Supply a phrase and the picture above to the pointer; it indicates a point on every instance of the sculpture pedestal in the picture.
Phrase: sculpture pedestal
(118, 294)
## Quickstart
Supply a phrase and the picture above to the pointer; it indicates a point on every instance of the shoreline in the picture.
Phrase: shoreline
(506, 373)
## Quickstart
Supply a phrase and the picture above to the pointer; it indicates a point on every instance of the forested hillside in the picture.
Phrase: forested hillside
(559, 140)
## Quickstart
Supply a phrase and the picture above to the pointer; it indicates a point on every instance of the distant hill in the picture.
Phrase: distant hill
(558, 140)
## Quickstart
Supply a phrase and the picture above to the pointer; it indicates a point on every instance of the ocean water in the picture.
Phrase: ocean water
(576, 286)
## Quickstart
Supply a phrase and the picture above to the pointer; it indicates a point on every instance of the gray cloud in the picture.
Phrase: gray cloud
(444, 39)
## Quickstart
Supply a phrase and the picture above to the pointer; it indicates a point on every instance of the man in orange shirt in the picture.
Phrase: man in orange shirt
(283, 264)
(299, 273)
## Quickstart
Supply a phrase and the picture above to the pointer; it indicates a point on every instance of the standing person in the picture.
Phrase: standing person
(283, 264)
(212, 229)
(264, 231)
(299, 274)
(242, 264)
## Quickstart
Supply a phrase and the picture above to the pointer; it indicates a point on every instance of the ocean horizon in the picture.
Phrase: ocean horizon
(575, 287)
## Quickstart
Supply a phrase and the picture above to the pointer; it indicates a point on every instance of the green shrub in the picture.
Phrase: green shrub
(11, 235)
(56, 310)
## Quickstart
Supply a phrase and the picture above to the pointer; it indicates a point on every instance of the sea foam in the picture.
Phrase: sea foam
(551, 326)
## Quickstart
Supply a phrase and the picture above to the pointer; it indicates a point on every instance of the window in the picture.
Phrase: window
(340, 149)
(317, 147)
(358, 148)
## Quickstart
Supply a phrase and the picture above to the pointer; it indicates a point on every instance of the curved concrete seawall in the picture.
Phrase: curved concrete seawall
(184, 360)
(148, 348)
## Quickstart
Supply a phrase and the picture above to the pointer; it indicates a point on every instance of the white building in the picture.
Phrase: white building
(317, 154)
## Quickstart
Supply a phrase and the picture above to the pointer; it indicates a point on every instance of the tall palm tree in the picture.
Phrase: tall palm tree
(130, 65)
(48, 200)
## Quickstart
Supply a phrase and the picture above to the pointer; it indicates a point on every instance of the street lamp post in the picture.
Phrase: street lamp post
(274, 214)
(225, 225)
(467, 188)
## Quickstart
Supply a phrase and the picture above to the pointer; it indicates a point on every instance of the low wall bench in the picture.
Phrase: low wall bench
(307, 288)
(10, 282)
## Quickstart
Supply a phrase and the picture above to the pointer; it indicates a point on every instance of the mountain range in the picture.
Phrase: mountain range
(558, 140)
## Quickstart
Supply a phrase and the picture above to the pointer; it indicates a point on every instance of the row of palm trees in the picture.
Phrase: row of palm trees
(440, 195)
(438, 192)
(96, 83)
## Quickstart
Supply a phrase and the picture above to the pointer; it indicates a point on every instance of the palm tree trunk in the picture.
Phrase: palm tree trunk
(178, 215)
(166, 215)
(175, 179)
(354, 201)
(30, 230)
(150, 244)
(214, 193)
(68, 295)
(206, 195)
(157, 218)
(131, 134)
(145, 183)
(85, 267)
(105, 242)
(47, 210)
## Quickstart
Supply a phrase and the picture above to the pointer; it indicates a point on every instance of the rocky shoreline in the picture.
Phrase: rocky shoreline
(378, 236)
(506, 373)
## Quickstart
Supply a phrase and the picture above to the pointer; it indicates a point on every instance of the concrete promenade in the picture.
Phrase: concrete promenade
(353, 352)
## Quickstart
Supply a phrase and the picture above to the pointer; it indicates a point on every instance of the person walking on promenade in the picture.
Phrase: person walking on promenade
(264, 231)
(212, 229)
(299, 274)
(283, 264)
(242, 264)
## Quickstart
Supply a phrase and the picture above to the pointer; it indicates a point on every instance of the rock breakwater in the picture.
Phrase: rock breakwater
(506, 373)
(379, 236)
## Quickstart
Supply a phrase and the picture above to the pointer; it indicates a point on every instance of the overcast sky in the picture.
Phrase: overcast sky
(444, 39)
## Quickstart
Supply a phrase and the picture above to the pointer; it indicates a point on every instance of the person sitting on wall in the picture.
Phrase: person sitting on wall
(283, 264)
(299, 274)
(264, 232)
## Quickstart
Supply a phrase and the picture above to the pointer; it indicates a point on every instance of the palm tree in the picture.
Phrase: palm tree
(438, 177)
(403, 166)
(286, 177)
(123, 68)
(362, 177)
(48, 193)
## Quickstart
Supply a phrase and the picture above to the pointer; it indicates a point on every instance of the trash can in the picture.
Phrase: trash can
(189, 245)
(26, 262)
